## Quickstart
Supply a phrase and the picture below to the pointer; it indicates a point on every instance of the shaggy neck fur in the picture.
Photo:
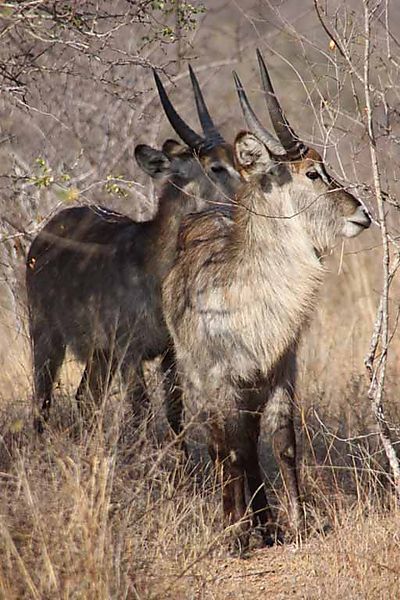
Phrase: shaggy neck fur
(175, 202)
(275, 272)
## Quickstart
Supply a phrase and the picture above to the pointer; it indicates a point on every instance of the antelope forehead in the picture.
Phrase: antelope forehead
(311, 160)
(223, 154)
(313, 155)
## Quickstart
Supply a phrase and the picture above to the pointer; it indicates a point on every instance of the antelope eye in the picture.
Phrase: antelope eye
(312, 174)
(218, 169)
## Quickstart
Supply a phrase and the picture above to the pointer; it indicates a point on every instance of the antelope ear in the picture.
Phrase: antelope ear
(152, 161)
(173, 148)
(252, 155)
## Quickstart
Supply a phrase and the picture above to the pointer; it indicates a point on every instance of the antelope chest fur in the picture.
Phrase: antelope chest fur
(239, 294)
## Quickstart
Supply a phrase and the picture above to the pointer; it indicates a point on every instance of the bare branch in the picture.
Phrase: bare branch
(377, 369)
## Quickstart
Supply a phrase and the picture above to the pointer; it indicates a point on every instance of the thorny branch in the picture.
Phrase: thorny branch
(330, 31)
(85, 40)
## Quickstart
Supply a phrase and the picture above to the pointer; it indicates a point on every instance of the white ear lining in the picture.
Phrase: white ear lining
(248, 149)
(252, 153)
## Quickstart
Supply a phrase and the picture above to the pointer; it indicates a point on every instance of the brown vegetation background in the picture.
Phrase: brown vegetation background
(96, 515)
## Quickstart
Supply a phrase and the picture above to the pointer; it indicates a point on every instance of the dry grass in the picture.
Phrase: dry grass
(101, 514)
(97, 515)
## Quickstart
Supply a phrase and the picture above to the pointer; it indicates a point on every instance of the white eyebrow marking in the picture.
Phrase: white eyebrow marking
(321, 171)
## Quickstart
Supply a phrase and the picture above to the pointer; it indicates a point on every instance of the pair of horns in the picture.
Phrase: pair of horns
(211, 137)
(289, 144)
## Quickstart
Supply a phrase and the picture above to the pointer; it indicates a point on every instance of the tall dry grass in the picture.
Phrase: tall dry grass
(108, 513)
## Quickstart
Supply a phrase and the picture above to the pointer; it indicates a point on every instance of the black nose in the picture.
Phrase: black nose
(367, 217)
(361, 217)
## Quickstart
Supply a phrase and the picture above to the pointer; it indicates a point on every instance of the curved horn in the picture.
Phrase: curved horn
(253, 123)
(289, 140)
(211, 133)
(186, 133)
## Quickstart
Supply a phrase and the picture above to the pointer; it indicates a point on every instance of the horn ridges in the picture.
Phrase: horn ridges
(294, 147)
(186, 133)
(252, 120)
(211, 133)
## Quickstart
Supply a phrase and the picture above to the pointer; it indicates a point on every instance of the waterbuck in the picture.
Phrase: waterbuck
(239, 295)
(94, 276)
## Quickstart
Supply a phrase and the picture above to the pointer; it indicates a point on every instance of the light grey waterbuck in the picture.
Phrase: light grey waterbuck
(241, 292)
(94, 276)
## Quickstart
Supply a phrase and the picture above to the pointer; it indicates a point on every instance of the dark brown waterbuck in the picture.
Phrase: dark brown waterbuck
(94, 276)
(239, 295)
